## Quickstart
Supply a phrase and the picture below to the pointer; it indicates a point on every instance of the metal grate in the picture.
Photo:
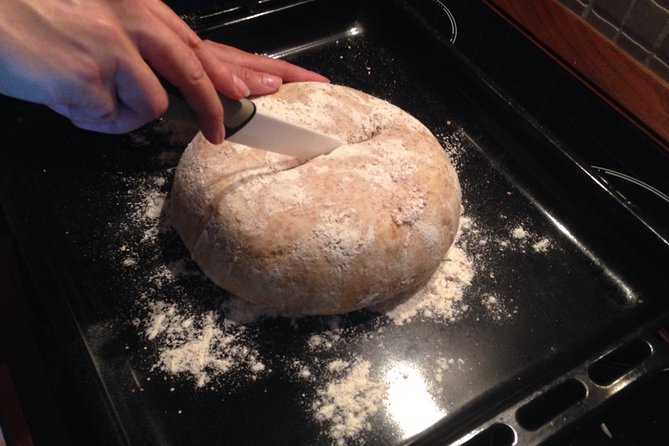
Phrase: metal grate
(565, 401)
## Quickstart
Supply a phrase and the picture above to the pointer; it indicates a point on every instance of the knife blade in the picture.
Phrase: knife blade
(245, 124)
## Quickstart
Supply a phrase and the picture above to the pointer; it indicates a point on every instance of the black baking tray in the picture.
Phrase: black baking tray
(533, 148)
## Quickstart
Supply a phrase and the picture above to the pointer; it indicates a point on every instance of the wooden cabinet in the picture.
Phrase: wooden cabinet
(619, 79)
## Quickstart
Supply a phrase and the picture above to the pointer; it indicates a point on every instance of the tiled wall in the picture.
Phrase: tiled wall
(639, 27)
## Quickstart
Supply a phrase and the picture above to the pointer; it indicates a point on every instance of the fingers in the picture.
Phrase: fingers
(153, 41)
(169, 46)
(134, 98)
(258, 83)
(139, 91)
(178, 64)
(210, 53)
(140, 97)
(200, 68)
(88, 94)
(228, 66)
(225, 80)
(237, 82)
(262, 64)
(113, 94)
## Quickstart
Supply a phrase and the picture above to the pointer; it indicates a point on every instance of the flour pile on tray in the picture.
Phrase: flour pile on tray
(346, 404)
(441, 298)
(198, 345)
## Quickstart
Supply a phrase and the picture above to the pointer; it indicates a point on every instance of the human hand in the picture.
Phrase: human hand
(97, 63)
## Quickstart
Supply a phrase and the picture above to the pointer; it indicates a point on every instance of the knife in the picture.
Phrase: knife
(245, 124)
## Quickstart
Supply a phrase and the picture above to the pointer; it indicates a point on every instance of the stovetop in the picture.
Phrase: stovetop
(560, 317)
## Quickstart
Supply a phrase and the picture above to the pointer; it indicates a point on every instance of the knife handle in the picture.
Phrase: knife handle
(238, 112)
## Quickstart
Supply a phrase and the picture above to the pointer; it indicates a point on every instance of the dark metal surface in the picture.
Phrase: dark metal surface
(67, 195)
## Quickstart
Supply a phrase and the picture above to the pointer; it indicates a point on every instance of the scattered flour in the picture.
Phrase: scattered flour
(325, 340)
(207, 347)
(522, 238)
(304, 372)
(542, 245)
(337, 365)
(442, 298)
(345, 405)
(147, 214)
(198, 346)
(496, 308)
(519, 238)
(519, 232)
(444, 364)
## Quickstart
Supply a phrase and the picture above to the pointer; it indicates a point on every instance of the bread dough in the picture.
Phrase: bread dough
(368, 222)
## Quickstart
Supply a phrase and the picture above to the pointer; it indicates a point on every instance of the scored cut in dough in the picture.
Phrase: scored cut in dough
(366, 223)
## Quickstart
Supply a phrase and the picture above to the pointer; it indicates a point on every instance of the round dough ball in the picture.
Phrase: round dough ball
(368, 222)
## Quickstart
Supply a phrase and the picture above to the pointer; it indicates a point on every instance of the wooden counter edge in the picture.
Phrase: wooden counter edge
(623, 82)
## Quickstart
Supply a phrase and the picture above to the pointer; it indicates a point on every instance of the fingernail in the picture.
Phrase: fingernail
(241, 86)
(269, 80)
